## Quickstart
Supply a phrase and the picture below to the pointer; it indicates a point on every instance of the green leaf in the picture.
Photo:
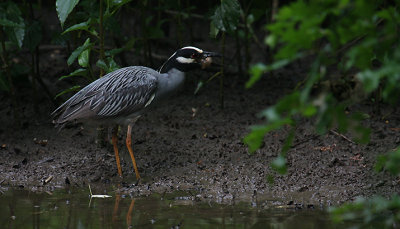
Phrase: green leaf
(256, 72)
(213, 30)
(279, 164)
(78, 51)
(375, 212)
(83, 58)
(101, 64)
(16, 35)
(81, 26)
(200, 84)
(64, 8)
(7, 23)
(74, 88)
(110, 67)
(78, 72)
(114, 52)
(309, 111)
(250, 19)
(226, 16)
(113, 6)
(255, 137)
(362, 134)
(14, 23)
(117, 3)
(271, 40)
(288, 142)
(380, 163)
(271, 114)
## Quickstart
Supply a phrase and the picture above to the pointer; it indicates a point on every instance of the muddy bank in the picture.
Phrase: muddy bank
(190, 144)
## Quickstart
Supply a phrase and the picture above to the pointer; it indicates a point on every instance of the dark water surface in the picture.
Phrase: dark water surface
(75, 209)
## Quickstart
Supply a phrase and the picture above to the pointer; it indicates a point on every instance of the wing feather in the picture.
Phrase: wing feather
(119, 93)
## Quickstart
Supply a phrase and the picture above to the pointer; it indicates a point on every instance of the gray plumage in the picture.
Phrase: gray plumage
(124, 92)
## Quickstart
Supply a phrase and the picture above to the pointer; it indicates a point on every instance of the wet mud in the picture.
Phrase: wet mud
(190, 144)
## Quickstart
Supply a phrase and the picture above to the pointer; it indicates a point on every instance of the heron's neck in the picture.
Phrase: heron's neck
(170, 81)
(175, 77)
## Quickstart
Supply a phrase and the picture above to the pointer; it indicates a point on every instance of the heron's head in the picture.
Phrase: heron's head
(188, 58)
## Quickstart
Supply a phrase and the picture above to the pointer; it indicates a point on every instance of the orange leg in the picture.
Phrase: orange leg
(114, 142)
(129, 145)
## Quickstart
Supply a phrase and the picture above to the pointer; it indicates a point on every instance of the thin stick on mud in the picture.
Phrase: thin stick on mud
(97, 196)
(48, 179)
(341, 135)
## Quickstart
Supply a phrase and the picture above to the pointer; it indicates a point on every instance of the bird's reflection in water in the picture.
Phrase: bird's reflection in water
(115, 215)
(129, 214)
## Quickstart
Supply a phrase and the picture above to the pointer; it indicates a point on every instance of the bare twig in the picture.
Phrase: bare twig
(97, 196)
(198, 16)
(101, 37)
(221, 81)
(274, 11)
(238, 56)
(341, 135)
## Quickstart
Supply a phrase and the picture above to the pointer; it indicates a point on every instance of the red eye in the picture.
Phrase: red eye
(195, 55)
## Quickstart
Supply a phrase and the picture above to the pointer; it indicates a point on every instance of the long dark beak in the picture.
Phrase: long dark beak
(211, 54)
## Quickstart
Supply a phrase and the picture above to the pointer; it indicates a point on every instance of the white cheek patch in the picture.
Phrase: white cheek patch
(184, 60)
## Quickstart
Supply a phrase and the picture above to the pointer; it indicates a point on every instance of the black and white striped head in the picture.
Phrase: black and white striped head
(187, 59)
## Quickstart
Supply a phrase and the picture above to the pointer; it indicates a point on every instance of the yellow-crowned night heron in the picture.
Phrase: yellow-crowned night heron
(121, 97)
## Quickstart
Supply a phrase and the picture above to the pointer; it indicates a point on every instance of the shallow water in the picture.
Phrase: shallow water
(75, 209)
